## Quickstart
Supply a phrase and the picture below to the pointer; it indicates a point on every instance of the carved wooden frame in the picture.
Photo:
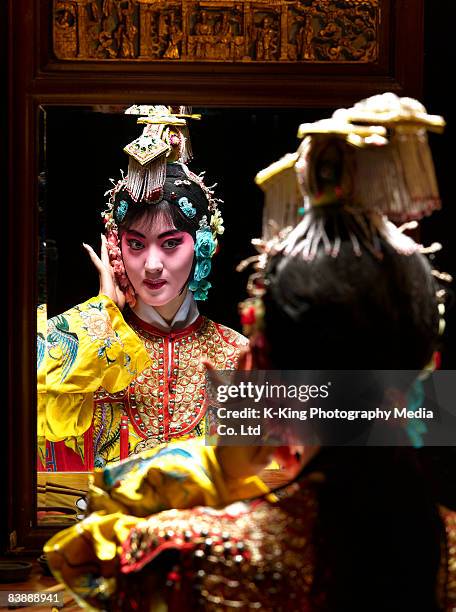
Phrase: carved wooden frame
(36, 79)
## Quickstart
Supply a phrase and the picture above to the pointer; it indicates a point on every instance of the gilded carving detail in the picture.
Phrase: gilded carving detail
(217, 30)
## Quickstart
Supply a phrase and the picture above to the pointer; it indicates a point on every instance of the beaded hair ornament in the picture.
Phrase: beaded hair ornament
(161, 153)
(365, 164)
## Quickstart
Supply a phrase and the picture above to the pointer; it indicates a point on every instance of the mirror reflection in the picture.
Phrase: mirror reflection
(136, 310)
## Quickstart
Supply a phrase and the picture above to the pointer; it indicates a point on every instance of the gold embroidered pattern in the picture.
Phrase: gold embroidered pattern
(253, 557)
(168, 399)
(447, 574)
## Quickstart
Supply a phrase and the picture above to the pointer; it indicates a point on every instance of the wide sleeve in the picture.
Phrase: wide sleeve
(87, 347)
(177, 475)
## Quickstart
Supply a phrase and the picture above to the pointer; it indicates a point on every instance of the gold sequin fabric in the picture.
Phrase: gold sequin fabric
(448, 565)
(257, 556)
(167, 400)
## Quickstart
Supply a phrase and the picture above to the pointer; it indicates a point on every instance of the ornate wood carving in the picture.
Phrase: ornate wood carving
(217, 30)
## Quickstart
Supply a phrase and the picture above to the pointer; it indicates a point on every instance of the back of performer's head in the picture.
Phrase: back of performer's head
(353, 311)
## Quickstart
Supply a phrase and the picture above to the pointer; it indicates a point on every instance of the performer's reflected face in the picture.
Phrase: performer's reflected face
(158, 260)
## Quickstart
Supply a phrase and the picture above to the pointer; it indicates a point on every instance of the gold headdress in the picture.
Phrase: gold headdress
(157, 169)
(387, 163)
(398, 178)
(354, 170)
(165, 139)
(282, 198)
(372, 159)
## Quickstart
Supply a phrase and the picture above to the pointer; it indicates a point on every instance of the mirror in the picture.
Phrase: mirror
(62, 83)
(81, 148)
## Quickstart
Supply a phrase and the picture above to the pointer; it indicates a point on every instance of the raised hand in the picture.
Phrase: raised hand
(108, 282)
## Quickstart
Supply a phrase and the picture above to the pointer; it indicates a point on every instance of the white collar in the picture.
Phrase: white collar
(186, 315)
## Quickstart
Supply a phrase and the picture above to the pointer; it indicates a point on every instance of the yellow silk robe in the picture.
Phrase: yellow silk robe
(111, 386)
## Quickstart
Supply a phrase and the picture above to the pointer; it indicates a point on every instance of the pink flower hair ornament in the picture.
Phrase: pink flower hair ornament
(113, 243)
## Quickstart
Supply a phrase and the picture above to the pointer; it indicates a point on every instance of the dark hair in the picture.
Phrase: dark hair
(379, 531)
(168, 204)
(163, 209)
(349, 311)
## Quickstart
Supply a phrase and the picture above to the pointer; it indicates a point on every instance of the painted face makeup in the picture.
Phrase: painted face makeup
(158, 259)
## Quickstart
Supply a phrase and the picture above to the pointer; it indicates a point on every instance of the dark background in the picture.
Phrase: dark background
(440, 17)
(439, 22)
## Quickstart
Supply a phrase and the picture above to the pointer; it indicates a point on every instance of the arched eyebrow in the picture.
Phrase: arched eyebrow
(135, 233)
(171, 232)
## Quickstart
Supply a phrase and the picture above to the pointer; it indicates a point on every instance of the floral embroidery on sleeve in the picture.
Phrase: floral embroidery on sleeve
(99, 328)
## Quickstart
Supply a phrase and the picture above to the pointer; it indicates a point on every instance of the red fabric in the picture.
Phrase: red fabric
(60, 458)
(123, 437)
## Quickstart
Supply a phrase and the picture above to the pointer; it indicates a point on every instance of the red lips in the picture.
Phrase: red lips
(158, 284)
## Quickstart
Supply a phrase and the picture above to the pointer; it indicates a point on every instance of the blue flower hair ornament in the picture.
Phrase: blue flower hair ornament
(120, 211)
(186, 207)
(415, 428)
(206, 235)
(205, 245)
(200, 289)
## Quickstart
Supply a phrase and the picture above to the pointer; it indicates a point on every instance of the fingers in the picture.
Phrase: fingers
(97, 262)
(217, 377)
(101, 263)
(207, 364)
(104, 271)
(108, 282)
(104, 252)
